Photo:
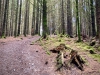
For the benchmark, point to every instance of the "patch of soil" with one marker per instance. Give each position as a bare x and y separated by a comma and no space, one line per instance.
21,58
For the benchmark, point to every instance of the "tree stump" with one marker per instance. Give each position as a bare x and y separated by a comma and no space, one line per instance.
66,60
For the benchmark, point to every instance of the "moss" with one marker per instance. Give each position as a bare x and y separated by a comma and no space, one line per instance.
98,48
48,52
4,37
88,48
85,60
68,46
86,63
84,46
96,56
59,40
21,38
32,43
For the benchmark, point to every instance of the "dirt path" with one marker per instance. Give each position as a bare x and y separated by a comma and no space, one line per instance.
18,57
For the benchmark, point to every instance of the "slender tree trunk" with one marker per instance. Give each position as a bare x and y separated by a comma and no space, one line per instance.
98,18
19,23
41,16
93,18
0,19
16,19
28,9
77,21
25,19
33,19
62,18
5,16
69,19
37,18
44,19
7,19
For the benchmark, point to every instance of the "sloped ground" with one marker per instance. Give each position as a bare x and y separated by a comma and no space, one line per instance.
18,57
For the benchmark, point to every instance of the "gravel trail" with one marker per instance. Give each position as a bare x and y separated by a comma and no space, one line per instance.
18,57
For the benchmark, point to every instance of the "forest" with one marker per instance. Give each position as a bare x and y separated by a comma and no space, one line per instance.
54,33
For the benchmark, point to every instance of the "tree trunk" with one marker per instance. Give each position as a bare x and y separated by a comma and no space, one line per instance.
98,18
77,21
5,17
69,19
62,17
37,18
16,19
26,19
33,19
19,23
93,19
44,19
7,20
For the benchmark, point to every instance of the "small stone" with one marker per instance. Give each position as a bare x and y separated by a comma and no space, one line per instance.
14,70
36,51
46,62
32,64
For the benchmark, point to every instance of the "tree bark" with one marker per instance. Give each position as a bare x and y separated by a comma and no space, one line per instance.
93,19
37,18
16,19
33,19
44,19
69,19
19,23
62,17
77,21
98,18
5,17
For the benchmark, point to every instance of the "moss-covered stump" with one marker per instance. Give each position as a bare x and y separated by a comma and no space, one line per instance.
64,60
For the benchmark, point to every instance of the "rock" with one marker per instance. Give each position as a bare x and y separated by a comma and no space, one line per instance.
14,69
92,43
92,52
46,62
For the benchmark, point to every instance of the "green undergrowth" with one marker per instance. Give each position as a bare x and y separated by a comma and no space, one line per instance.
3,37
51,42
95,56
84,46
98,48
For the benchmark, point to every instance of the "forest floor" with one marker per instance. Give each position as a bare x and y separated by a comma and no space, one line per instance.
31,56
